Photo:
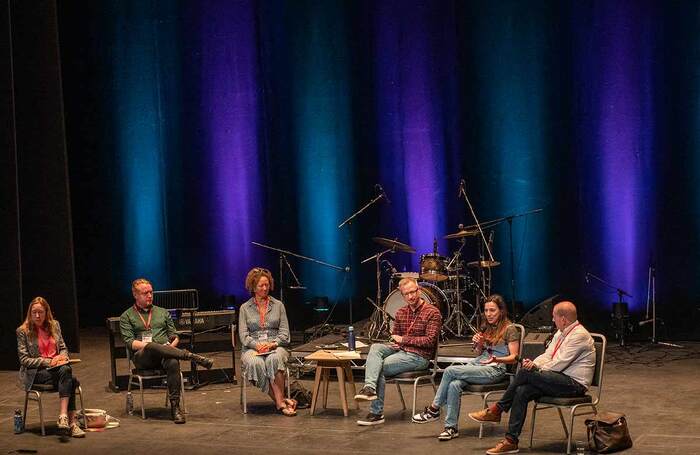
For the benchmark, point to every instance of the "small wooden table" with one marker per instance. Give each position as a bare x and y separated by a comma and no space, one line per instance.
325,362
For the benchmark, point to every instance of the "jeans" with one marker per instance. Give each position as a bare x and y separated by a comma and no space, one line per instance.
454,378
384,361
62,379
161,356
529,385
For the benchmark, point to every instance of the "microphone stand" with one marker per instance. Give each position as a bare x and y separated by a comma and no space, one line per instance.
620,292
463,192
348,222
509,219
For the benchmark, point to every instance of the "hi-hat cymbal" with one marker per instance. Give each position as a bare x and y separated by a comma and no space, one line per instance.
462,233
483,264
394,244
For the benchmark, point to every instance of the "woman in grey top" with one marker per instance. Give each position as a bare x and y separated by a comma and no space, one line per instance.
264,329
43,357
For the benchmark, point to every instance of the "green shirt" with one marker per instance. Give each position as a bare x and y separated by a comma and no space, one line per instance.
132,327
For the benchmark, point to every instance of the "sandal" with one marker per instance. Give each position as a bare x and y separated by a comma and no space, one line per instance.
287,411
291,403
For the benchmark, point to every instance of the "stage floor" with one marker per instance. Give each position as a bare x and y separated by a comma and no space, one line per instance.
654,386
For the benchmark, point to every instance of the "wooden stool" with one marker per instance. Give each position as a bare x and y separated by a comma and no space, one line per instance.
325,362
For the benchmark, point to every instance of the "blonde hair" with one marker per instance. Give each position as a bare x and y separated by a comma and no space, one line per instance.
251,280
137,281
406,280
28,326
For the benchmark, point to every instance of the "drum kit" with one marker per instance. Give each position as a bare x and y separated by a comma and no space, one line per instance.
454,286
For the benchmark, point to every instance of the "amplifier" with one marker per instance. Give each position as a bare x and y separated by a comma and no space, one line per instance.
204,320
533,344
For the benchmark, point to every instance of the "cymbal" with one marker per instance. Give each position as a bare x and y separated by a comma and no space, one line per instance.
483,264
394,244
462,233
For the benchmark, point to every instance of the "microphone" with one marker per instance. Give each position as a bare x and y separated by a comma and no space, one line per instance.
435,246
588,280
490,239
462,184
383,193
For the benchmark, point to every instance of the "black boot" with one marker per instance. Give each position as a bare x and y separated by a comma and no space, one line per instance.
176,412
206,362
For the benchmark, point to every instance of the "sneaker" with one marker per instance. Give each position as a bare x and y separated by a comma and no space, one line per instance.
448,433
504,446
428,415
371,419
75,431
367,393
485,415
62,422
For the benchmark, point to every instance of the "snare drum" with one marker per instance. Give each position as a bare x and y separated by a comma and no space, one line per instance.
433,267
428,292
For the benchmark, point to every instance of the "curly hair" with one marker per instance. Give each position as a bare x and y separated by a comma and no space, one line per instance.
28,326
251,280
494,333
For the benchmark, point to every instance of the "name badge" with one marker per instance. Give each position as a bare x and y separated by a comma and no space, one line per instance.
147,337
262,336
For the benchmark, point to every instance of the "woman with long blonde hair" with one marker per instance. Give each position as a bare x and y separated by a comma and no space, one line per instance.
44,360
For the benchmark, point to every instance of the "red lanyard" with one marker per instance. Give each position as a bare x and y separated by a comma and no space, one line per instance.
147,325
561,339
415,318
263,312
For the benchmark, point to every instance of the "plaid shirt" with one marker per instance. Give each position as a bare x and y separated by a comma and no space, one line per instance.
420,329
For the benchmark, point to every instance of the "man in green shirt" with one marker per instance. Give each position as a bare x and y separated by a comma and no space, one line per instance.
149,332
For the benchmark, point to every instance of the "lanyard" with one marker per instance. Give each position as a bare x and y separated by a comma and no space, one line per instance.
147,325
561,339
263,312
415,318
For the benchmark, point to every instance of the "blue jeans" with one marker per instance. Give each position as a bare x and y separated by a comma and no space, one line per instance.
455,377
529,385
384,361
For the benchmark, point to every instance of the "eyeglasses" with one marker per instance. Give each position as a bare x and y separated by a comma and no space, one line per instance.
406,294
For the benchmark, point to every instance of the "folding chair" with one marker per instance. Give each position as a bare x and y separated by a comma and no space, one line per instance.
34,394
590,400
138,376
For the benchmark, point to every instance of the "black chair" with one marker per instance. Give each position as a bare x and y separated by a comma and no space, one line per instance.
485,391
35,393
139,376
590,400
415,378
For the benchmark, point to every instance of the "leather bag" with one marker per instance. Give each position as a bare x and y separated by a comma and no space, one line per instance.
608,432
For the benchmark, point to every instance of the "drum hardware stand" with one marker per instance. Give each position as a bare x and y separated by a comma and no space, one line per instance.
384,324
348,221
651,301
377,321
622,322
457,316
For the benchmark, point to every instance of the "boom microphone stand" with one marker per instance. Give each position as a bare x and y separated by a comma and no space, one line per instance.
348,222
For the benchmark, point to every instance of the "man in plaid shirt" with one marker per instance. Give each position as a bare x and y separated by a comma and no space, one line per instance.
413,343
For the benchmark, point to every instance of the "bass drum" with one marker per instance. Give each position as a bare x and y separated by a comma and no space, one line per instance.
428,292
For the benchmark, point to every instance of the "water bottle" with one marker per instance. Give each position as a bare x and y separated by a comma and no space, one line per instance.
129,403
19,421
351,338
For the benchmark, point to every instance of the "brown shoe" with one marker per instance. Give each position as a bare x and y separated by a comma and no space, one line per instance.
485,415
504,446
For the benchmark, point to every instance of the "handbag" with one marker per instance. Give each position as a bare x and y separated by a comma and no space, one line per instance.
608,432
98,419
